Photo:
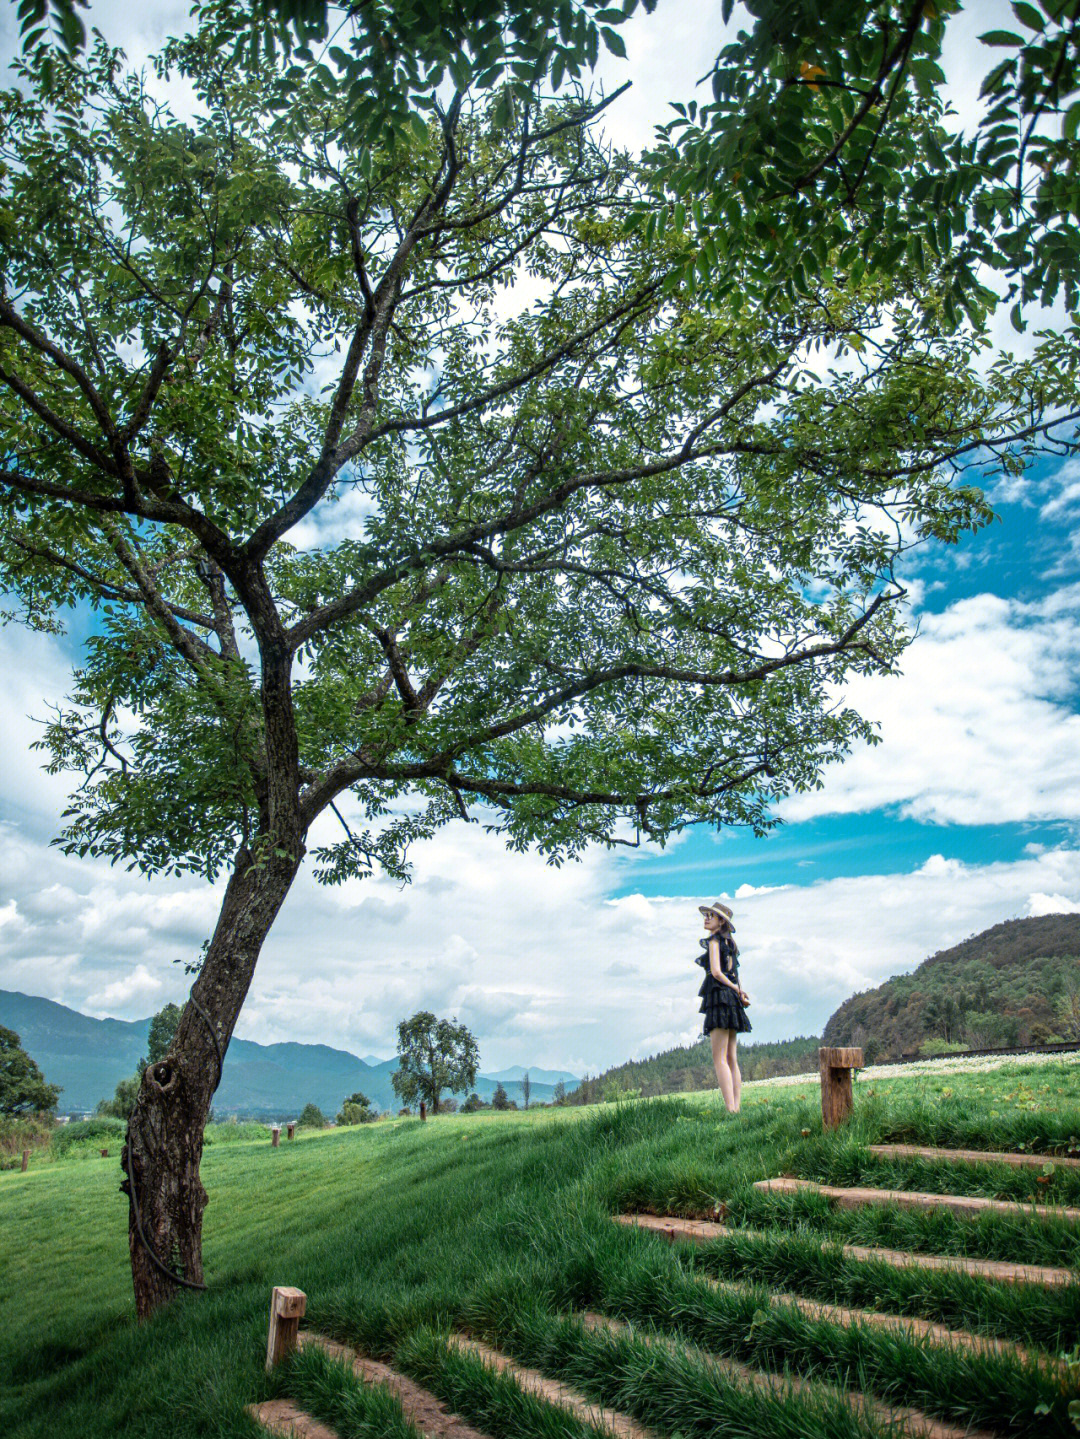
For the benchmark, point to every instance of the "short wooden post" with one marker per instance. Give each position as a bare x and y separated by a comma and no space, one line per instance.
25,1160
290,1130
104,1154
423,1110
836,1097
275,1134
287,1308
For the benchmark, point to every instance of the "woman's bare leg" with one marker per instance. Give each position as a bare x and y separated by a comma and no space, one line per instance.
720,1039
733,1068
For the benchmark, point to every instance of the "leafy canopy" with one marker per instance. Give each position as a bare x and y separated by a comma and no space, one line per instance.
411,477
825,139
824,131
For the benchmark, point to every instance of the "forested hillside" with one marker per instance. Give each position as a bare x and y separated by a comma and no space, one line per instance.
1016,983
690,1067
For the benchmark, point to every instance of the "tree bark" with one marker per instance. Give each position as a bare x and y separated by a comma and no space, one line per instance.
161,1158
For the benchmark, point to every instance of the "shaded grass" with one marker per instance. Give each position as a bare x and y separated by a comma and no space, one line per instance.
399,1232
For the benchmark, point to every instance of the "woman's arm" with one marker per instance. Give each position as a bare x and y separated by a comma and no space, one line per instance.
715,968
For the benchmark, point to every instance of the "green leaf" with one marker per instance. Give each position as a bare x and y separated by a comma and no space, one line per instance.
1017,321
1028,15
614,41
1001,37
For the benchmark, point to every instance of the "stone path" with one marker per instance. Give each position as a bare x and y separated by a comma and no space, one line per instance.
703,1231
972,1156
968,1206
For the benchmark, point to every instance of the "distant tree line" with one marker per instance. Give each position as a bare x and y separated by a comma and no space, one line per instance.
689,1067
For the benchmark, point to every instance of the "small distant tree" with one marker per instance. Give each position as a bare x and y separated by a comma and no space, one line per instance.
163,1028
123,1101
526,1088
23,1089
312,1117
434,1055
1067,1010
473,1103
500,1099
356,1110
558,1094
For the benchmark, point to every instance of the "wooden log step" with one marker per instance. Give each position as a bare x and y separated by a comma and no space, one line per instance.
284,1419
972,1156
907,1421
968,1206
555,1392
902,1324
420,1407
700,1231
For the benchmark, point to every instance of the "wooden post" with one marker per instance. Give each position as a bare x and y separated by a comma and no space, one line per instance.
290,1130
836,1097
287,1308
25,1160
423,1110
104,1154
275,1134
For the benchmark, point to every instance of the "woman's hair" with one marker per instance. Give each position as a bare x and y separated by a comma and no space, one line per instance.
726,930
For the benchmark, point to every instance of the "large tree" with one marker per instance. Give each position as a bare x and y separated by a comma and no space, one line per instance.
23,1089
433,1055
369,534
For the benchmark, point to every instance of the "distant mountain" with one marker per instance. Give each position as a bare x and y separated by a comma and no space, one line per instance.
1005,986
517,1072
88,1057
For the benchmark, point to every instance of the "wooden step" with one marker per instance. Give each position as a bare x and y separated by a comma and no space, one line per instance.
421,1408
902,1324
701,1231
554,1391
283,1418
972,1156
912,1422
968,1206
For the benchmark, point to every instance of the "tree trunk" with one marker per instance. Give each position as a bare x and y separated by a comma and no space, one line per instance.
165,1131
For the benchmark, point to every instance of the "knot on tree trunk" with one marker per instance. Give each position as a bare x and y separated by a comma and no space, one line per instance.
163,1075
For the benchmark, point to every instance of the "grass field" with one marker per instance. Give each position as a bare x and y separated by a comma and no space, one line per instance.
499,1224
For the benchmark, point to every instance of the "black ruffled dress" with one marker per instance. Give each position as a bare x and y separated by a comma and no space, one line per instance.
721,1006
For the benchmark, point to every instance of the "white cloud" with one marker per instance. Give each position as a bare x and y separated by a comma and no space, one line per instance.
1052,904
980,729
139,985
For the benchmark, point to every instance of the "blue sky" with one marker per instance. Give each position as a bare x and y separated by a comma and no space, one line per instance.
966,815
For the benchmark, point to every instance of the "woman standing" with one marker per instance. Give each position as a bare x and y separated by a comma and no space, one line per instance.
723,1001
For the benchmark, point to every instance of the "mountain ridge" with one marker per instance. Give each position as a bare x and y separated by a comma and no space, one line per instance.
1000,987
89,1056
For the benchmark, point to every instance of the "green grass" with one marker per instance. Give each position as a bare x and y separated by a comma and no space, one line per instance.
400,1232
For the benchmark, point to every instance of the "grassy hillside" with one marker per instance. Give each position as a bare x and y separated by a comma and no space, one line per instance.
1017,983
500,1223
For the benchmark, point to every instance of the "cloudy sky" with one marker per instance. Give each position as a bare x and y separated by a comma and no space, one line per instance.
966,815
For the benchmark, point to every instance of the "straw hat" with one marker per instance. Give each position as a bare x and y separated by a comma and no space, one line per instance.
718,908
